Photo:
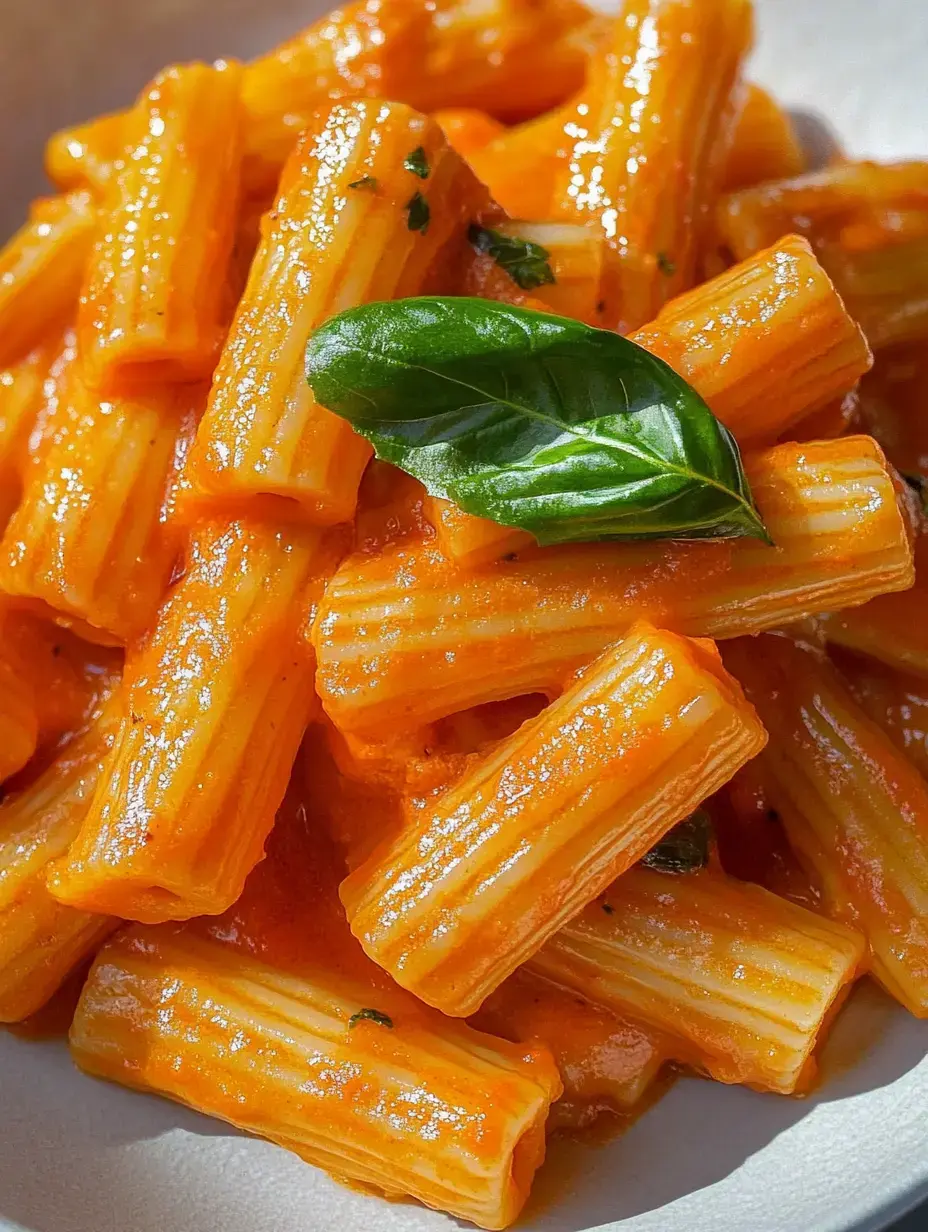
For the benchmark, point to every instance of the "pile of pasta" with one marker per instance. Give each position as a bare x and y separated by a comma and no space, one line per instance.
345,792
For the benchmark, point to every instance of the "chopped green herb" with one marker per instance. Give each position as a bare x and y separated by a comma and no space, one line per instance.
382,1020
417,162
367,183
525,262
609,910
418,214
665,265
685,848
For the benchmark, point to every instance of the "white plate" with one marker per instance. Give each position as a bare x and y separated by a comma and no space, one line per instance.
79,1156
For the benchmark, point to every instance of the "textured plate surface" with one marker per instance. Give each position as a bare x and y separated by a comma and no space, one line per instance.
79,1156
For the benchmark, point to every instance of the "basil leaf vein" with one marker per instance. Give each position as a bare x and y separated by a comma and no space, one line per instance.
536,421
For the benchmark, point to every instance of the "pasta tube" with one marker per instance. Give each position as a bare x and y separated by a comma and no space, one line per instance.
352,223
520,166
41,941
467,130
21,396
739,980
896,701
405,638
855,810
153,302
776,312
606,1061
890,627
547,819
217,698
892,401
41,270
884,283
90,538
819,203
514,58
653,128
578,257
765,145
399,1100
19,726
48,686
83,157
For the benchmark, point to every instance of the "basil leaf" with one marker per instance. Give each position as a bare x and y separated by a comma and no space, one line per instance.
684,849
524,261
366,1015
417,162
533,420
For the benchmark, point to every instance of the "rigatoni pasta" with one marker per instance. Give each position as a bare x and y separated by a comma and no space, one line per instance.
41,941
390,427
473,888
741,981
765,145
437,1110
91,539
215,704
153,302
855,810
263,432
41,270
652,129
403,638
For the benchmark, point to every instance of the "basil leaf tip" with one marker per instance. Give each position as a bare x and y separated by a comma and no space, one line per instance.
535,421
685,848
368,1015
524,261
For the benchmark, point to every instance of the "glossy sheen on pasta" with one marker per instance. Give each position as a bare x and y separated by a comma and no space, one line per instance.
263,432
535,830
403,638
739,979
651,130
41,941
41,269
216,701
855,810
421,1106
91,538
386,786
154,297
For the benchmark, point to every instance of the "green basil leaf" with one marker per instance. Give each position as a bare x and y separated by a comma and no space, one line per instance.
533,420
685,848
524,261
